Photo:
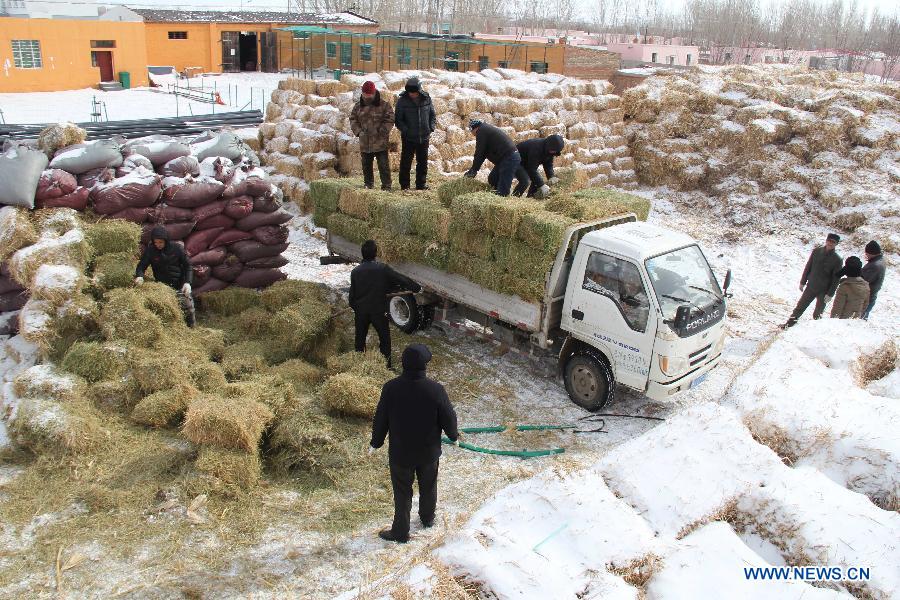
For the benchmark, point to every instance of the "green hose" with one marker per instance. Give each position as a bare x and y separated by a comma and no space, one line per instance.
501,429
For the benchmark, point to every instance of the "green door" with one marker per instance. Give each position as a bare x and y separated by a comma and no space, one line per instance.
451,63
346,55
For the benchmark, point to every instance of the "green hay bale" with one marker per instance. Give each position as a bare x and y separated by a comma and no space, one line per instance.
631,203
325,195
230,301
207,376
268,389
528,289
351,395
114,394
114,236
69,249
302,375
44,425
334,342
95,361
141,316
157,371
450,190
243,359
482,272
368,364
211,342
350,228
397,216
77,319
16,231
430,220
114,270
254,321
570,180
46,381
395,248
56,221
437,256
164,408
361,202
230,469
471,242
298,327
290,292
472,211
544,229
306,441
227,423
505,214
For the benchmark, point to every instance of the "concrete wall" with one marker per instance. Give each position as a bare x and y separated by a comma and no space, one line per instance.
657,53
66,53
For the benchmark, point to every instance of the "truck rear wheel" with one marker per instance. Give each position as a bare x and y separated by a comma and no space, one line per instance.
405,313
589,381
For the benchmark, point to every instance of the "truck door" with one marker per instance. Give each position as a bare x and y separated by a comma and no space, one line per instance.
608,305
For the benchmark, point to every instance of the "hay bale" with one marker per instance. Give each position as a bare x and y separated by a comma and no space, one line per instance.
473,243
471,211
357,202
231,469
243,359
450,190
155,372
631,202
230,301
306,441
70,248
95,361
207,376
268,389
349,228
115,270
16,231
166,407
254,321
483,272
114,394
365,364
211,341
302,375
436,256
505,214
544,229
141,316
299,327
36,324
60,135
430,220
77,319
56,283
351,395
570,180
44,425
290,292
325,195
227,423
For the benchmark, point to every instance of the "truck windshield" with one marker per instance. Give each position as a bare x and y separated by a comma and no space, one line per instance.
683,277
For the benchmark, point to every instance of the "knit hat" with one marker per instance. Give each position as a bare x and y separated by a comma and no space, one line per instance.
873,248
413,85
554,144
852,267
415,357
368,88
833,237
475,123
159,233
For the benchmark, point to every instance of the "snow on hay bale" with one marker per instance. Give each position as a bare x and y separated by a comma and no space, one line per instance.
16,230
60,135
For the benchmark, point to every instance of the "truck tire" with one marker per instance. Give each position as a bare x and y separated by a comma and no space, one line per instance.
405,313
589,381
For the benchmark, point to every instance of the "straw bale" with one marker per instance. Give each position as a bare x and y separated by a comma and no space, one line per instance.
438,139
465,105
290,292
16,230
95,361
226,422
267,130
299,327
307,441
70,248
325,195
349,228
278,144
767,131
528,134
285,129
330,87
304,86
244,359
599,196
351,395
164,408
207,376
273,112
45,425
455,135
430,220
230,469
548,130
543,229
141,316
303,376
110,236
287,165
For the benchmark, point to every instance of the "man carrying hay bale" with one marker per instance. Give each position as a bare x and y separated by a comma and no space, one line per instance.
535,153
415,118
370,283
170,266
371,120
820,278
493,144
413,410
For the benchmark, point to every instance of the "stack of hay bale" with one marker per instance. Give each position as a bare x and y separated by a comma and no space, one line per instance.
307,133
503,244
761,139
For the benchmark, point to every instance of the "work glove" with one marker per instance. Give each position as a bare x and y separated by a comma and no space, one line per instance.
186,289
543,192
553,180
139,280
470,174
801,287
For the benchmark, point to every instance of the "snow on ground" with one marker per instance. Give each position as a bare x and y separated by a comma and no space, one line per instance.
16,355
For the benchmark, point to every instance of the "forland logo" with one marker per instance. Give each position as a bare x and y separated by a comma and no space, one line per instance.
704,320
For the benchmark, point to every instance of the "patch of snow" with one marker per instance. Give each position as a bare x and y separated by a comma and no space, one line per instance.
888,387
51,278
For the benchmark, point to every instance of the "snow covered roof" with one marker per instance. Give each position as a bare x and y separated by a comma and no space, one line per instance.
638,240
152,15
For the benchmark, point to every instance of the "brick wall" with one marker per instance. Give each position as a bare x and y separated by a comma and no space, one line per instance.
590,63
623,81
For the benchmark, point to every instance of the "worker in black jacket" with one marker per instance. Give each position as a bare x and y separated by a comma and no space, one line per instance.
370,283
415,118
536,153
413,410
493,144
170,266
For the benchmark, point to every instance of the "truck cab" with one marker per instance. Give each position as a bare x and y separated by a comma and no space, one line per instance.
643,309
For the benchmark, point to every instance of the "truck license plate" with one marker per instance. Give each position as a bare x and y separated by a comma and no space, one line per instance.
698,381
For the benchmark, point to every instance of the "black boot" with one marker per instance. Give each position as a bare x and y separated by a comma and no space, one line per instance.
388,535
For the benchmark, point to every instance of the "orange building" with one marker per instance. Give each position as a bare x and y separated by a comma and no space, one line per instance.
45,55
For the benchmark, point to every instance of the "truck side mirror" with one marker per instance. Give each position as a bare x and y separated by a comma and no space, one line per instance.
727,284
682,315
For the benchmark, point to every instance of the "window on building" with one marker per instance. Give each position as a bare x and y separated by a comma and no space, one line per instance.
671,60
301,35
538,67
365,52
346,54
688,60
503,64
747,59
653,57
620,281
451,61
178,35
27,54
483,63
103,43
331,50
404,55
728,57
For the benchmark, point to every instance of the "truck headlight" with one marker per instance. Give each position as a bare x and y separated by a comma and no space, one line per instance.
672,365
719,345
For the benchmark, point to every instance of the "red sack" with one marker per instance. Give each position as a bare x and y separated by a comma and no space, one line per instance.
257,186
139,188
12,301
135,215
265,205
209,257
229,270
9,324
213,285
270,235
55,183
77,200
252,250
177,230
239,208
209,210
199,241
257,278
190,192
164,213
229,237
267,262
256,219
181,167
202,274
216,221
8,284
95,176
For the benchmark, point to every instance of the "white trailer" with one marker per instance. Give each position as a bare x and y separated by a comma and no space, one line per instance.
625,302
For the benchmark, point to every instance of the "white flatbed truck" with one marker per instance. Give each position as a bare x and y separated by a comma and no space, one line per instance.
625,302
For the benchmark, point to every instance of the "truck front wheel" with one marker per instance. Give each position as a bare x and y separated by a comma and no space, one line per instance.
589,381
405,313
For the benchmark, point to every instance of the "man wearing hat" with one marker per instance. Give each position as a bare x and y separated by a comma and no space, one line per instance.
413,411
371,120
493,144
852,295
170,265
873,273
819,281
414,117
535,153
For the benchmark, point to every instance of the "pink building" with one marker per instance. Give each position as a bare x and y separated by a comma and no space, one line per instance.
662,54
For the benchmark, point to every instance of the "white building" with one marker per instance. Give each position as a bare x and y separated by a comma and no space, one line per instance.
50,9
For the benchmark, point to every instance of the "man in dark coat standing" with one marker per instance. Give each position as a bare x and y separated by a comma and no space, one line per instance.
414,117
371,120
536,153
170,266
370,283
873,273
413,410
819,280
493,144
